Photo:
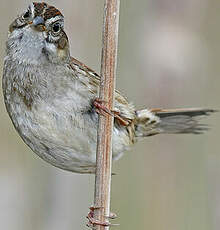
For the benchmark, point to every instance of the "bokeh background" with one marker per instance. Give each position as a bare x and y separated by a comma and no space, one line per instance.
169,56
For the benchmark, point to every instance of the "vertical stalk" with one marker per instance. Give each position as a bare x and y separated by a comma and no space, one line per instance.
107,88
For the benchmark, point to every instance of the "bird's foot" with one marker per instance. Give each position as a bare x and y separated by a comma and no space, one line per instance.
93,222
100,108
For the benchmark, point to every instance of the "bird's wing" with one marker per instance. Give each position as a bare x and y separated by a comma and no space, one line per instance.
125,109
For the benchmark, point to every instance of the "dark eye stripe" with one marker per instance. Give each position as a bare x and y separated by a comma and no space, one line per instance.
27,14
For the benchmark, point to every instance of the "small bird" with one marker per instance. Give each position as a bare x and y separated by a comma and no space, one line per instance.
51,97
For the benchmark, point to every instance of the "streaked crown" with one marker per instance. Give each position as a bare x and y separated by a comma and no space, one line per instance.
46,11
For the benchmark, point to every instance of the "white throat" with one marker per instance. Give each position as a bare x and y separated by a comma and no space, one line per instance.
26,45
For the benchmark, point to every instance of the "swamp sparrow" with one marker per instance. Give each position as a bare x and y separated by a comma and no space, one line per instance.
50,97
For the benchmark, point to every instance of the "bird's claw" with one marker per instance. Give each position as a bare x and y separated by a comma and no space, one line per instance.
93,222
101,109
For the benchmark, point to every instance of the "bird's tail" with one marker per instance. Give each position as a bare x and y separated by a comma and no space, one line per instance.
155,121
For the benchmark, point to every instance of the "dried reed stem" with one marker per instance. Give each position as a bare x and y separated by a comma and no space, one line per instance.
107,88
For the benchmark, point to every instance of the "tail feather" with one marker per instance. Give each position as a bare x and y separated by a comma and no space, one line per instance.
185,112
171,121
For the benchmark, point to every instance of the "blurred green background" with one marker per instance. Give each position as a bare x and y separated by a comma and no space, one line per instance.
169,54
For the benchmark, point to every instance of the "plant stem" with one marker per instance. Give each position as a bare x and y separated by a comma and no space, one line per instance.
107,89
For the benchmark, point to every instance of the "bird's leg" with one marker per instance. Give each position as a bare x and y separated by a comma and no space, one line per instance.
93,221
102,109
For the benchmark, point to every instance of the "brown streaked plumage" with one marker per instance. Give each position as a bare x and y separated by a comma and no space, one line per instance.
50,97
39,8
43,9
51,12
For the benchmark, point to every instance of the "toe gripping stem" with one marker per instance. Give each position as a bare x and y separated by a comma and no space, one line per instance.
100,108
93,222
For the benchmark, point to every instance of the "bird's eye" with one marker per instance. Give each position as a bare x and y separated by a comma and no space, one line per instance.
56,27
27,14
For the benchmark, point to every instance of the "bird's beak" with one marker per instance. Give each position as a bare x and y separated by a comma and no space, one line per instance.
38,23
